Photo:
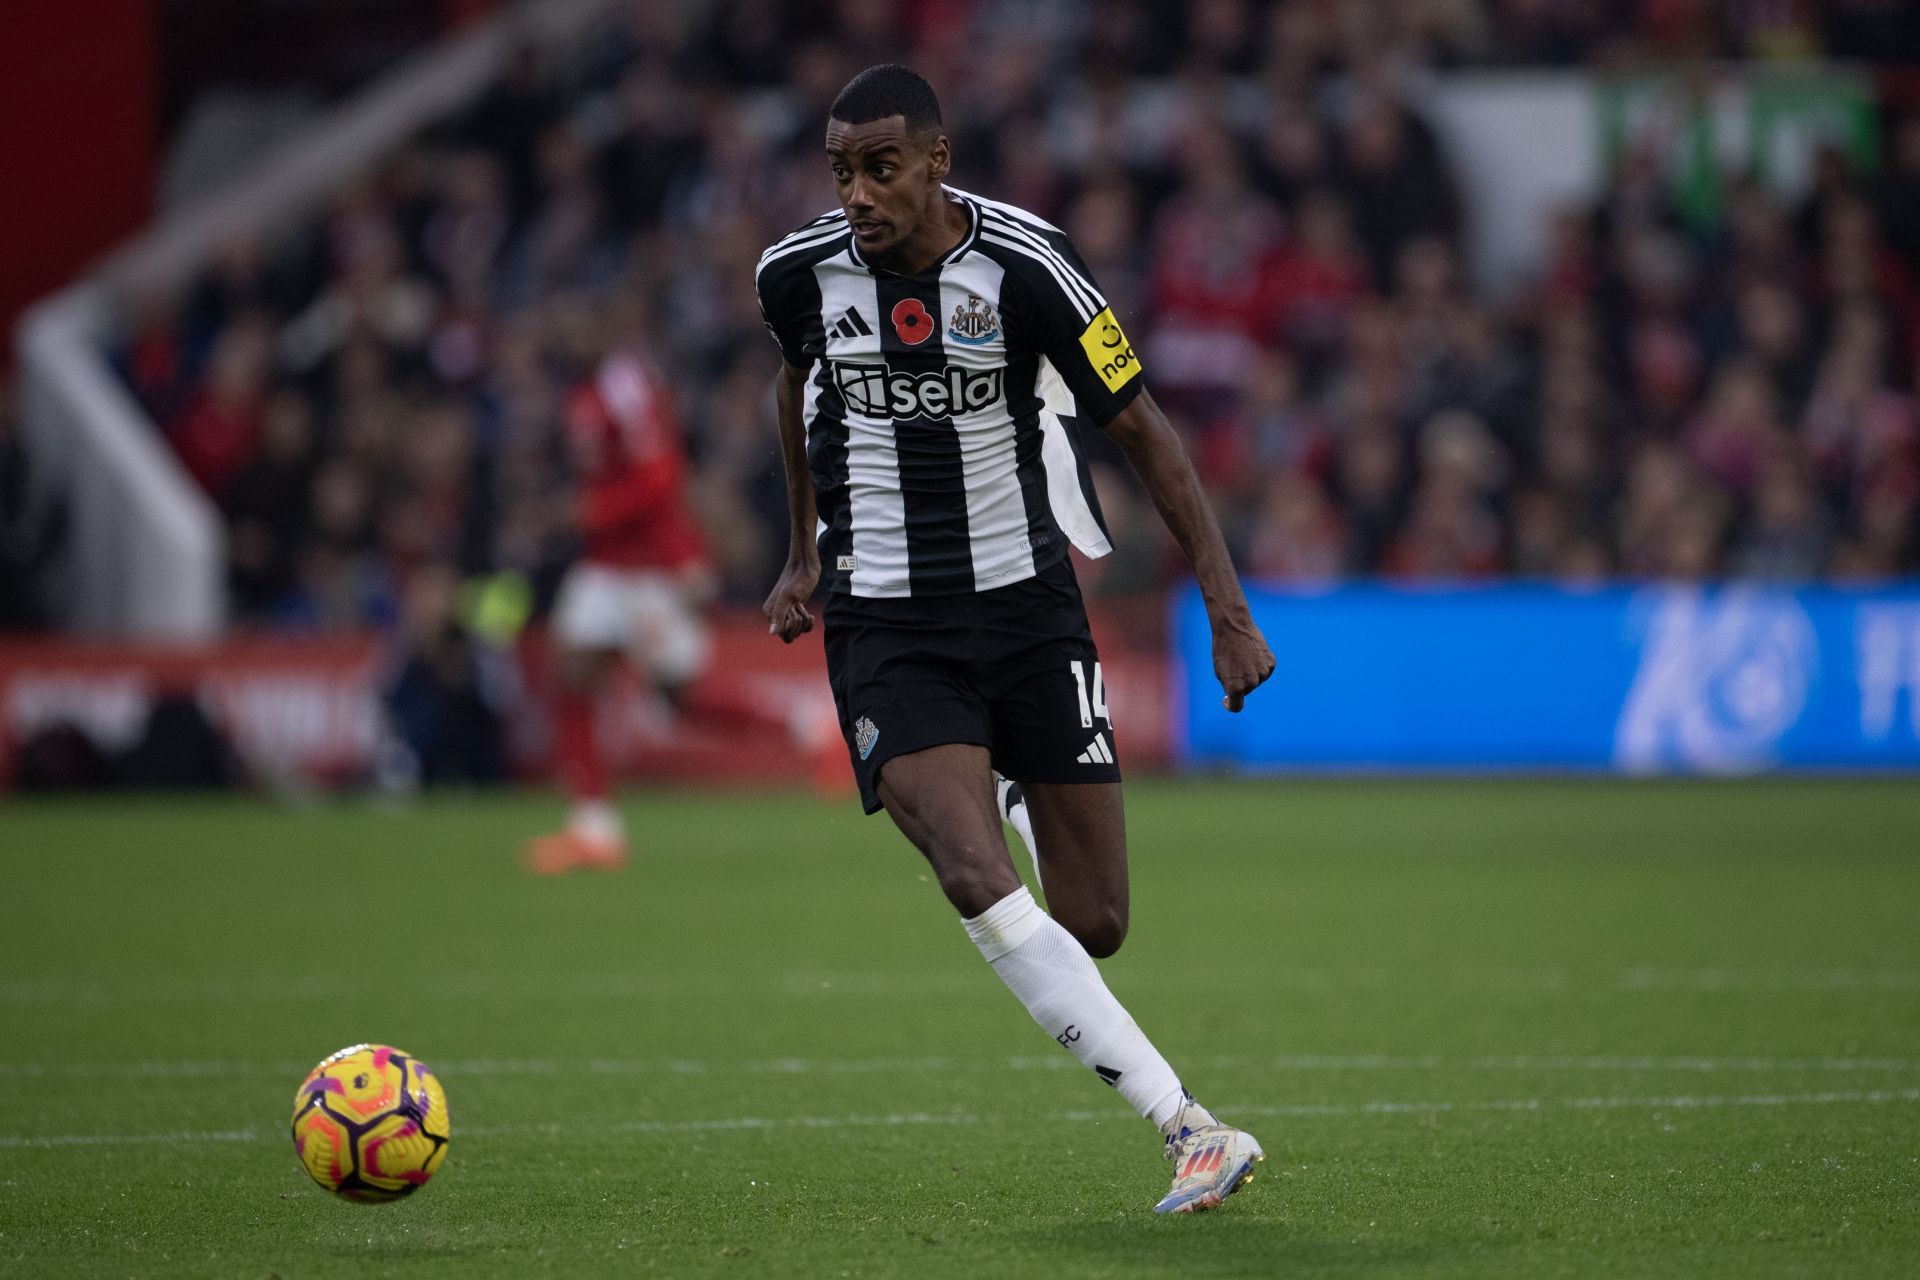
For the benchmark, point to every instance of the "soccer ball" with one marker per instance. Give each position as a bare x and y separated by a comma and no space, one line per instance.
370,1123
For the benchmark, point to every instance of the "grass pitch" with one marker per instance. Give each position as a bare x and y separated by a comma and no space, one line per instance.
1483,1029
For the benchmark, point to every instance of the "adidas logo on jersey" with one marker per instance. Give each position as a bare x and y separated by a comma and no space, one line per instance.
1098,752
852,326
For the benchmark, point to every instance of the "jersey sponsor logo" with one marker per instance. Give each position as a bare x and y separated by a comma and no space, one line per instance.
877,391
973,323
864,736
911,321
1109,351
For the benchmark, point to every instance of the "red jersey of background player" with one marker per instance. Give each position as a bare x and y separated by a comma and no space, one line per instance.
631,467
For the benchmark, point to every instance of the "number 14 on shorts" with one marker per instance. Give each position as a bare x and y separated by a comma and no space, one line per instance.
1096,705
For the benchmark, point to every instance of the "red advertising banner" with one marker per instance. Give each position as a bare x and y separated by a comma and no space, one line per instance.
306,708
310,712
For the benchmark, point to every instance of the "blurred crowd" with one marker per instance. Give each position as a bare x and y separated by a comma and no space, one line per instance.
377,395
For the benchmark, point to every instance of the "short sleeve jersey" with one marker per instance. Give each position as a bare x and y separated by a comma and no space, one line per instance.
943,409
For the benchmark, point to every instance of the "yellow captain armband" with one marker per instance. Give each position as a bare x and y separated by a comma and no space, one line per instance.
1109,351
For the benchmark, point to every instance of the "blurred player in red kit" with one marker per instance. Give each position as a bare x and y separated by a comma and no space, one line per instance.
635,593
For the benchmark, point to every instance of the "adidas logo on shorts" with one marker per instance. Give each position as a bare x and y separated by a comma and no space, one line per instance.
1098,752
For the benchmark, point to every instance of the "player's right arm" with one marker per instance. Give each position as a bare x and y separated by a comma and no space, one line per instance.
787,614
788,313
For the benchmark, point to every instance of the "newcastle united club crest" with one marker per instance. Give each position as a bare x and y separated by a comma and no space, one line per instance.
973,324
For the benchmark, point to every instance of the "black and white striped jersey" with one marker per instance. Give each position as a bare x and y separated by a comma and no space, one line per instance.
943,408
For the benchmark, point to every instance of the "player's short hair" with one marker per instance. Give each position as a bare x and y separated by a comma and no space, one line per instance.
889,90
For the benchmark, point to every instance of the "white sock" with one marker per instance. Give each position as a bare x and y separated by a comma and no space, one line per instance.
1056,979
1022,821
596,820
1187,1115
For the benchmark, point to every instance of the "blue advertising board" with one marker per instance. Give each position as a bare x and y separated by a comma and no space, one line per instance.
1653,679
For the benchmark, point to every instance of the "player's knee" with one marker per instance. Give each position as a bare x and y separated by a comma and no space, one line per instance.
1100,931
960,844
970,886
972,874
971,880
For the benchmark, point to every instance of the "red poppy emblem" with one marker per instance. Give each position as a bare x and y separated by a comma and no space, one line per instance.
911,321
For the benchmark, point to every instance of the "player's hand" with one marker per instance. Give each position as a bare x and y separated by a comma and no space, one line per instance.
1241,660
787,614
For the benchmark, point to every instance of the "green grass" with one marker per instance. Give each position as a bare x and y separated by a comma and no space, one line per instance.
1484,1029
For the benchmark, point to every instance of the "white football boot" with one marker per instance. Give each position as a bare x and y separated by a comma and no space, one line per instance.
1210,1163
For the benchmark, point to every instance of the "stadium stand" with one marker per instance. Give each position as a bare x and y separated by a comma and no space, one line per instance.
1676,394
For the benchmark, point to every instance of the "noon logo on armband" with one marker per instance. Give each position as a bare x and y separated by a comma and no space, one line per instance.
1109,351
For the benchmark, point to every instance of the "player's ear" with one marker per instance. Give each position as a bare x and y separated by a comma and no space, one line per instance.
939,158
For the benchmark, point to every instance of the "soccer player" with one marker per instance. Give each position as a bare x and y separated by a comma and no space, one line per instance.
941,350
634,594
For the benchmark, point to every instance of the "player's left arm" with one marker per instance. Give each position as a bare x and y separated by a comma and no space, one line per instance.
1064,314
1241,658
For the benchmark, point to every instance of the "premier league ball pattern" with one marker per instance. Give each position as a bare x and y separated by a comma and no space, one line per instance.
370,1123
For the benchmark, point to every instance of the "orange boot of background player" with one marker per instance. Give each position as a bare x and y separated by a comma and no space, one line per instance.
594,836
569,848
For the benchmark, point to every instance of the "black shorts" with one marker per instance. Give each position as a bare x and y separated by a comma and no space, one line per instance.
1012,669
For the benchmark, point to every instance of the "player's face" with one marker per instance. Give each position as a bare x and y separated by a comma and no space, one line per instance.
886,178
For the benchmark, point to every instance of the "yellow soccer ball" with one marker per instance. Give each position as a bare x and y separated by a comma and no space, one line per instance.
370,1123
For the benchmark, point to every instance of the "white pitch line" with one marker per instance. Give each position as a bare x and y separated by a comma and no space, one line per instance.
184,1137
1683,1102
1685,1063
98,993
1366,1062
1650,978
915,1119
734,1124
